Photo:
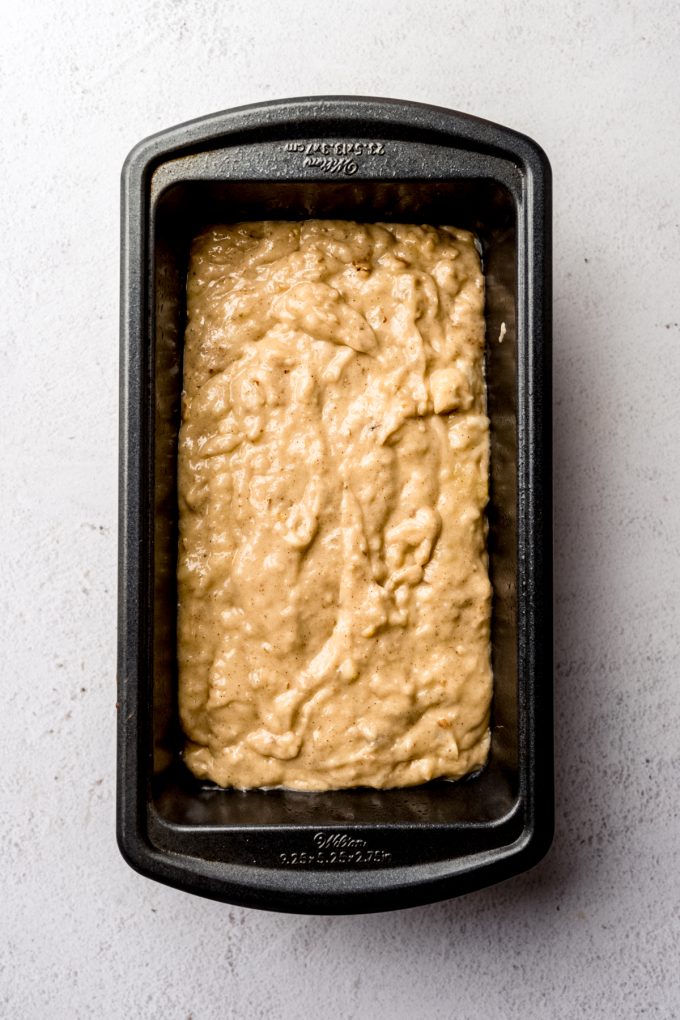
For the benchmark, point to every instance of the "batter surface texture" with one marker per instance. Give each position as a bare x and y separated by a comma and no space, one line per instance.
334,599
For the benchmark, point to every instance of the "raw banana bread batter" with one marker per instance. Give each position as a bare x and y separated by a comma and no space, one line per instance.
334,599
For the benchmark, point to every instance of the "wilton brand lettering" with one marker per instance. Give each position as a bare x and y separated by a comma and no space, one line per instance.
336,841
331,157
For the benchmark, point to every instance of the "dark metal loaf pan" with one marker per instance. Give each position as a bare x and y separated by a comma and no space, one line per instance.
358,850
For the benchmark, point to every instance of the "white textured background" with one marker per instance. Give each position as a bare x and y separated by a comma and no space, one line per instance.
594,931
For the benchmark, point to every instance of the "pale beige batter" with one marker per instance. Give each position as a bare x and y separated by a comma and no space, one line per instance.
334,599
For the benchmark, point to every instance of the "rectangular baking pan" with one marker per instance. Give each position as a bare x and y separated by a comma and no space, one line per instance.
357,850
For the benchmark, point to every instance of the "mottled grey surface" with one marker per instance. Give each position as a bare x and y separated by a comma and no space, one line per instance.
594,930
